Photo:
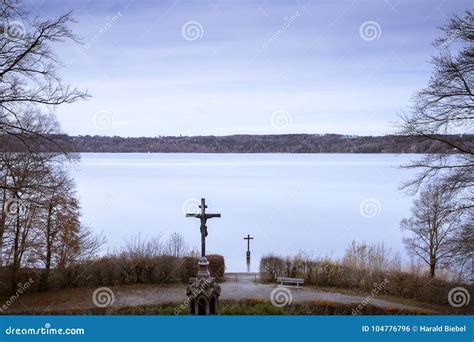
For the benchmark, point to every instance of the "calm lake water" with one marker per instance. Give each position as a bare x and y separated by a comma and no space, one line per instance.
314,203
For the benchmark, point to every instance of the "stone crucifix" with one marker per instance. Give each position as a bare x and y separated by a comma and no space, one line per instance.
203,216
203,292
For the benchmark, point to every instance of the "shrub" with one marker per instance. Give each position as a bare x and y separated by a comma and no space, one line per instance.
188,268
216,265
124,270
139,261
359,271
271,267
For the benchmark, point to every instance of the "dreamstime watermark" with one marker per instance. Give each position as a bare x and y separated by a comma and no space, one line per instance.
281,119
280,297
21,288
14,30
102,119
459,296
370,208
109,22
191,206
46,330
445,42
200,109
202,285
14,207
457,121
287,22
393,6
370,30
369,298
102,297
192,30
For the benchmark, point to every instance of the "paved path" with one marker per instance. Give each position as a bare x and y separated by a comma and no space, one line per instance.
243,286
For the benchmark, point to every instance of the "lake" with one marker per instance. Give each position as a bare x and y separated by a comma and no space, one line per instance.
290,203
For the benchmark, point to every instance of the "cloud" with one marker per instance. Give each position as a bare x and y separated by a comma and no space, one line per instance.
250,60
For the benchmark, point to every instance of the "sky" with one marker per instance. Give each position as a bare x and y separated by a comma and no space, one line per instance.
220,67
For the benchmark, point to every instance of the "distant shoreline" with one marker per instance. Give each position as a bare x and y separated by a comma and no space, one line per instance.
287,143
284,143
250,153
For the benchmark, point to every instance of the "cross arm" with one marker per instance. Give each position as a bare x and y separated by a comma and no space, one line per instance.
193,215
212,215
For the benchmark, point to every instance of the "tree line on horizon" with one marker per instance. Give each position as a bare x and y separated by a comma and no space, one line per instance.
285,143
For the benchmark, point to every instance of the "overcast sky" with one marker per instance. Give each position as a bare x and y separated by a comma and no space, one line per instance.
228,67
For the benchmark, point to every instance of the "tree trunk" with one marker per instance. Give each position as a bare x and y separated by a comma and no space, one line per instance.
432,270
16,254
44,284
3,218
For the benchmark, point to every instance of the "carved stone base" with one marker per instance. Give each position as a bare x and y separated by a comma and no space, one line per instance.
203,292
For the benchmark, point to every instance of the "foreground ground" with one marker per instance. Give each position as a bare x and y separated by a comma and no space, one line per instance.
239,292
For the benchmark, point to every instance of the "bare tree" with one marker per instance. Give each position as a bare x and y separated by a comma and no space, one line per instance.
60,213
22,174
28,68
138,247
41,226
444,110
433,226
44,225
35,190
176,245
463,249
24,178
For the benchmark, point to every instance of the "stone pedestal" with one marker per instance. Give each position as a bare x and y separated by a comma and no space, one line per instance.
203,268
203,292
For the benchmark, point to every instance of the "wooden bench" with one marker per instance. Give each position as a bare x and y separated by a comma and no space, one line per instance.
294,281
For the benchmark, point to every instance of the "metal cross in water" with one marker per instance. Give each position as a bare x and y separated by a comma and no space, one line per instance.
248,238
203,217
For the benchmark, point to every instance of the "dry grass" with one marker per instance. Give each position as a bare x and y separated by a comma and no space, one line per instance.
249,307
